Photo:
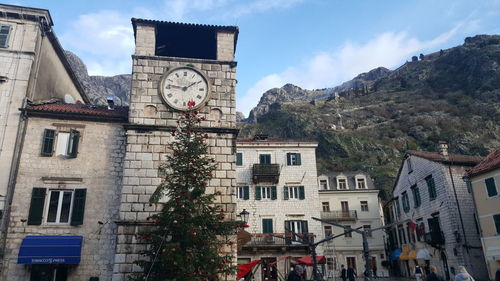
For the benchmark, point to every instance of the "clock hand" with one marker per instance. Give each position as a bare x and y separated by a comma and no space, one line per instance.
192,84
174,86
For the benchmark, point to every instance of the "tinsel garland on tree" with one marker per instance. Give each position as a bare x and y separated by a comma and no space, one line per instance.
187,238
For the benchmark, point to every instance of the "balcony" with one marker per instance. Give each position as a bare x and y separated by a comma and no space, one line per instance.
434,238
268,173
278,241
339,216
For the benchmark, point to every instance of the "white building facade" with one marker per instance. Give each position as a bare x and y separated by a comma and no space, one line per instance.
350,199
277,185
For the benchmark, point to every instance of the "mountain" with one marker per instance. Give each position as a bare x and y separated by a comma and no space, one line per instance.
451,95
97,87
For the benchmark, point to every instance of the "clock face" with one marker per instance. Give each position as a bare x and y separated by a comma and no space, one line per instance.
182,85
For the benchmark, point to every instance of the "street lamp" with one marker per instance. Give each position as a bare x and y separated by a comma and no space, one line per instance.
244,215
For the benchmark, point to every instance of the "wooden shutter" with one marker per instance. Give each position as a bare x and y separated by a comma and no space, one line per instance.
302,193
36,207
289,159
288,233
303,225
78,206
285,193
48,142
274,194
267,225
257,193
496,219
297,159
74,138
4,36
246,193
491,187
239,159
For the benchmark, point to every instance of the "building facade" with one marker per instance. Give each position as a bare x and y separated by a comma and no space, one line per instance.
435,215
277,186
484,180
173,64
350,199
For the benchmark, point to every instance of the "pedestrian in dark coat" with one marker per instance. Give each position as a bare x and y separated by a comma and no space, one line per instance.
343,273
351,274
296,274
433,274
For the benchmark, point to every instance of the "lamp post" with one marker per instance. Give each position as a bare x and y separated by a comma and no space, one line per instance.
244,215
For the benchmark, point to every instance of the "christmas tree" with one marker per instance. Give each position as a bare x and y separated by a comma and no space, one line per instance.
187,238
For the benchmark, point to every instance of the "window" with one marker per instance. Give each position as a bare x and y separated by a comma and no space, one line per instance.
265,159
402,236
408,163
328,231
406,202
4,36
364,206
267,225
496,219
345,206
431,187
242,192
491,187
62,206
367,228
293,192
330,265
323,185
416,196
298,227
326,206
293,159
265,192
360,183
239,159
398,207
342,183
66,143
346,231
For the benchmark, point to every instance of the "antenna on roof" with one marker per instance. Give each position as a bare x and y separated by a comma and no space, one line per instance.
111,101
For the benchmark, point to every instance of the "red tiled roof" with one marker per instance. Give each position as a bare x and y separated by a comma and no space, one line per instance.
449,159
491,162
79,110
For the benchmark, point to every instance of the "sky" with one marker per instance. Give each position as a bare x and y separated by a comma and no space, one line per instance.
313,44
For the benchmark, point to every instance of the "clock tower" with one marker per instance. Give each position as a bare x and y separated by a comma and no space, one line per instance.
175,63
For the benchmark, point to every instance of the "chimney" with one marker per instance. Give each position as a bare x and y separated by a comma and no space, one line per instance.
443,148
110,98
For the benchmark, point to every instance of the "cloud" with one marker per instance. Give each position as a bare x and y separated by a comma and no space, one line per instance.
328,69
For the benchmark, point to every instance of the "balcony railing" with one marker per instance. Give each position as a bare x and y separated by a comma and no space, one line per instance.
279,239
268,173
434,238
339,215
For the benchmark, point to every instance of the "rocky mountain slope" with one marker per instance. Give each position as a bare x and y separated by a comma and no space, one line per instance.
451,95
97,87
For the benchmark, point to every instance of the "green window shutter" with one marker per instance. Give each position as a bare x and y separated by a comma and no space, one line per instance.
74,138
78,206
239,159
491,187
267,225
257,193
496,218
288,159
297,157
302,193
431,186
304,227
36,207
48,142
4,36
285,192
288,232
274,194
246,193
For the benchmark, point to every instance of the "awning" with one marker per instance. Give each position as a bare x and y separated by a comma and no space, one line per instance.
307,260
423,254
50,250
395,254
243,269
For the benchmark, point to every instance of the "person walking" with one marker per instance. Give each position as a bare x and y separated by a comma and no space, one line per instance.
296,274
432,276
374,270
351,274
418,273
463,275
343,273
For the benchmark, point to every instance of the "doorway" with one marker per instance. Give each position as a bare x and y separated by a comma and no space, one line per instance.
269,272
351,262
444,260
49,272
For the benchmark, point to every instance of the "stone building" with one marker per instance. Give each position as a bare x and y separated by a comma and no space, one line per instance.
350,199
437,215
173,64
66,195
484,180
32,66
277,185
